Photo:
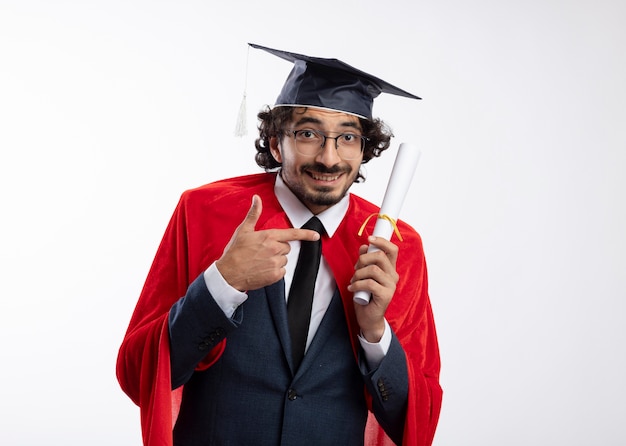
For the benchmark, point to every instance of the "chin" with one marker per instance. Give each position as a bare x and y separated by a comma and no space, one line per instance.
325,198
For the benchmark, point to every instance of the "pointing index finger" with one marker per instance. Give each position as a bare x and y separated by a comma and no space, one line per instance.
292,234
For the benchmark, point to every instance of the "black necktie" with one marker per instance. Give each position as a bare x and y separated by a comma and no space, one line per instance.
301,291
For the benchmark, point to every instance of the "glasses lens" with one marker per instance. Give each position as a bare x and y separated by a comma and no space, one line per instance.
349,145
308,142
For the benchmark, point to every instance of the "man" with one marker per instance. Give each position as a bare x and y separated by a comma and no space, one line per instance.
230,345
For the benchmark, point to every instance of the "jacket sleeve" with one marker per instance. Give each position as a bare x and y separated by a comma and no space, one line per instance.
196,326
388,386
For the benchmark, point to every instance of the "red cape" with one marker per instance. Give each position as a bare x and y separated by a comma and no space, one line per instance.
201,226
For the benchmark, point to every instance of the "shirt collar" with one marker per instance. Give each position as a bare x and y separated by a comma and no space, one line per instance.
299,214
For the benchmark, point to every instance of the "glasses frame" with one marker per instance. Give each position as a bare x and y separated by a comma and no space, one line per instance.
325,137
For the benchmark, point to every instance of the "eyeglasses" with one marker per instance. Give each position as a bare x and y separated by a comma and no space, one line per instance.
311,142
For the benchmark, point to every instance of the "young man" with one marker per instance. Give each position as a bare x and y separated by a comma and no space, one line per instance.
230,345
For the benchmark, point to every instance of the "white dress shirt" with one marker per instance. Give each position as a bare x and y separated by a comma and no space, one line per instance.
228,298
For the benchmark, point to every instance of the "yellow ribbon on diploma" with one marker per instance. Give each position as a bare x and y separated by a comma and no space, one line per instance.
384,217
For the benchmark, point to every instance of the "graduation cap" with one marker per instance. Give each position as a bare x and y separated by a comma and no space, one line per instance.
330,84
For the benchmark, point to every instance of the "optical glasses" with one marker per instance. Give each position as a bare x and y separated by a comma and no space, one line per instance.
311,142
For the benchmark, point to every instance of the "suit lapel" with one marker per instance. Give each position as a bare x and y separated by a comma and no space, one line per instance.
278,308
333,316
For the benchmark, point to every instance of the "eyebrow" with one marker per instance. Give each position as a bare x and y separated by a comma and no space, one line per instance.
311,120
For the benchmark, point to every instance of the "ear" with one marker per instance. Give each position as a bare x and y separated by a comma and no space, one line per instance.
275,149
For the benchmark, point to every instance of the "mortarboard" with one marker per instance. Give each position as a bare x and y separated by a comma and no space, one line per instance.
330,84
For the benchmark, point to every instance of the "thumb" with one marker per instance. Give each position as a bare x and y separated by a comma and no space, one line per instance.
253,214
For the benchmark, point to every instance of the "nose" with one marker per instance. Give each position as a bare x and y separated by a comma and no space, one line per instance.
328,154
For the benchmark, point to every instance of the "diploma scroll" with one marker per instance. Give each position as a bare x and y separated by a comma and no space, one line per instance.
399,182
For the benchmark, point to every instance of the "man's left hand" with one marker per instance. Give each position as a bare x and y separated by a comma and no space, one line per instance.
375,273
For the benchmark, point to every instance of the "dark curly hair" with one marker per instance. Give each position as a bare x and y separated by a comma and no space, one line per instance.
273,120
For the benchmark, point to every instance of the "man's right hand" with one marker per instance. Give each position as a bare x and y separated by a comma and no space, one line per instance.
254,259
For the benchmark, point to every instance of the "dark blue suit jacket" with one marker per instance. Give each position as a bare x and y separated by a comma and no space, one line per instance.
253,396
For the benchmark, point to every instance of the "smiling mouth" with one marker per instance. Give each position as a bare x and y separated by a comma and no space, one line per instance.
324,177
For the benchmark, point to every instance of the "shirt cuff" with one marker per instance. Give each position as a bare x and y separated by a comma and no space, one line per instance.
375,351
227,297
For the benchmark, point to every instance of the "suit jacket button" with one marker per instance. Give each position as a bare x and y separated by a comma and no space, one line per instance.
292,395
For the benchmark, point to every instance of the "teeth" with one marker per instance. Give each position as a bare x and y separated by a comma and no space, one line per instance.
324,178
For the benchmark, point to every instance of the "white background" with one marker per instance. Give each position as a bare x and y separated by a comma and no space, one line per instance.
110,109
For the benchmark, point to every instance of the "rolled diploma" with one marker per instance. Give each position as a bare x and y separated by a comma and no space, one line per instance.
399,182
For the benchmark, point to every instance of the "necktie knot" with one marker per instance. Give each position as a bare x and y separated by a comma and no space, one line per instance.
314,224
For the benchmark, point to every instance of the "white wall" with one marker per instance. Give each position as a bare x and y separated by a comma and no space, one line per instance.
110,109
